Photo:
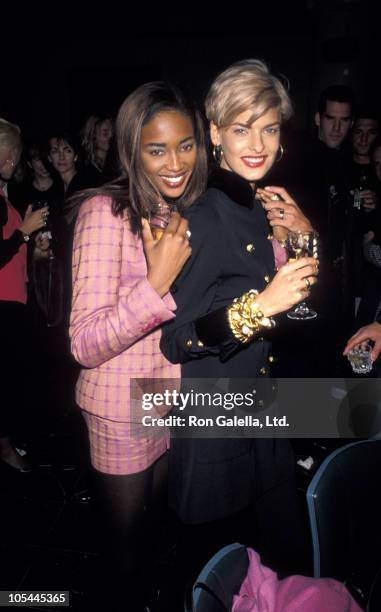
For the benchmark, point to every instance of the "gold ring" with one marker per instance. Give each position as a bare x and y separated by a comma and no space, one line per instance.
308,284
275,197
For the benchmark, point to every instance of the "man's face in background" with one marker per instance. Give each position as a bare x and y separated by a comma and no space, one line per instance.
334,123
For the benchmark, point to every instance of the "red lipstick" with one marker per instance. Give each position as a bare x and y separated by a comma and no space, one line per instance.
254,161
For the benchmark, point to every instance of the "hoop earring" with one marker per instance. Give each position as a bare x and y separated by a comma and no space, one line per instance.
217,153
281,149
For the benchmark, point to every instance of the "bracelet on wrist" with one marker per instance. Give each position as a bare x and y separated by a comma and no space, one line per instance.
245,318
23,236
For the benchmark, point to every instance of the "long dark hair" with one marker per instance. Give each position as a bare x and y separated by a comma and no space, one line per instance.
61,136
132,189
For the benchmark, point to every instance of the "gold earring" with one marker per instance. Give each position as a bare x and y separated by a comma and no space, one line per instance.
217,153
281,149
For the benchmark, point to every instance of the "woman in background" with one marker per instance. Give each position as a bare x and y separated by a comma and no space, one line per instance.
63,157
15,234
96,139
37,186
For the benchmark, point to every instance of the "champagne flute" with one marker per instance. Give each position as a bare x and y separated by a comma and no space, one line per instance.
160,219
298,245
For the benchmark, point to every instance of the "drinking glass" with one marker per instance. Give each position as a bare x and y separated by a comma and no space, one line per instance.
360,359
160,219
298,245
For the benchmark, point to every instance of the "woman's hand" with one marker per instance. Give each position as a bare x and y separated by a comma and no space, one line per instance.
365,334
283,212
34,219
166,257
289,286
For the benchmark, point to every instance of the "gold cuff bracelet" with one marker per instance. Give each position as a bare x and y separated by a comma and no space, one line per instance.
245,318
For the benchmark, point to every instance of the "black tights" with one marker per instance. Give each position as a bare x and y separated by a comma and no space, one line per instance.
131,509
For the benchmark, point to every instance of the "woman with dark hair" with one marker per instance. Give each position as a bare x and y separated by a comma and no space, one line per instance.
121,281
63,152
39,190
63,159
38,185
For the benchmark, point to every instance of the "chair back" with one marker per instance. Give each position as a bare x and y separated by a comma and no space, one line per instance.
344,506
220,580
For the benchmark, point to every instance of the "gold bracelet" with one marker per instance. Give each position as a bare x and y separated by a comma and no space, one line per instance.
245,318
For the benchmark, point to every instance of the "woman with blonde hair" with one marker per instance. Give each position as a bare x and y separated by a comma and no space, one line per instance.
15,234
228,298
96,139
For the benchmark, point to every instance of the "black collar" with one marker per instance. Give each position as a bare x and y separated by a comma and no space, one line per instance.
236,188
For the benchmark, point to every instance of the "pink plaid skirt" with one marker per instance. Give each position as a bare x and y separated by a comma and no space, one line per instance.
122,448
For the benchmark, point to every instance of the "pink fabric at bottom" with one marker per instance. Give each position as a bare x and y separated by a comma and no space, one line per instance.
261,591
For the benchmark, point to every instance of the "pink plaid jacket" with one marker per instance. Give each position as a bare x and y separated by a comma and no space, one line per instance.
116,314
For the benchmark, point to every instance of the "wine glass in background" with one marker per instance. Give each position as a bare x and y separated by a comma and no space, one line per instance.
298,245
160,219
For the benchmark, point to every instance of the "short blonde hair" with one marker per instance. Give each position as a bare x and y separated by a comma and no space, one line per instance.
10,135
246,85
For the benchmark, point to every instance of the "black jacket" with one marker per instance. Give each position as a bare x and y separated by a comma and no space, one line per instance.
231,254
213,478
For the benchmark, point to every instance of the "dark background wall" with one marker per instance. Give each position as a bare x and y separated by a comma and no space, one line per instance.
60,79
